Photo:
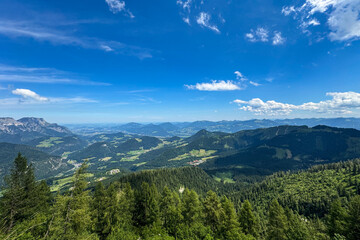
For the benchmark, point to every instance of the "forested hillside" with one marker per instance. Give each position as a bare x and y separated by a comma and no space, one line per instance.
322,202
45,165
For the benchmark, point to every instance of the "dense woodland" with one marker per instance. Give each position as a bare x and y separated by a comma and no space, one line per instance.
320,203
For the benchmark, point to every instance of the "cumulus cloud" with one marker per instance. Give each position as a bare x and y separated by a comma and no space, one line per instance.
117,6
278,39
342,16
215,85
259,107
204,20
240,83
340,103
28,94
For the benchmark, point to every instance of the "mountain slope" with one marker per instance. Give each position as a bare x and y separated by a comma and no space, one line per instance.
296,149
58,145
45,164
309,192
26,129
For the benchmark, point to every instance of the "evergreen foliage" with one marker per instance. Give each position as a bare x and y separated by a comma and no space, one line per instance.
125,210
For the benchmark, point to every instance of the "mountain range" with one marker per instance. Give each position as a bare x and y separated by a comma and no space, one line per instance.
257,151
186,129
29,128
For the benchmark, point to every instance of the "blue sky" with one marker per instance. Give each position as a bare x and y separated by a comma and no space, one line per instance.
179,60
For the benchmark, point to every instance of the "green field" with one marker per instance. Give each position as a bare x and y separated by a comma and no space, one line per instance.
201,153
50,142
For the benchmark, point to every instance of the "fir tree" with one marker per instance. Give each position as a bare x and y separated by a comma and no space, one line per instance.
277,222
247,220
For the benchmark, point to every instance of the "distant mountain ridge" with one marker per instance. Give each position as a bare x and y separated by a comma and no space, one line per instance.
187,129
29,128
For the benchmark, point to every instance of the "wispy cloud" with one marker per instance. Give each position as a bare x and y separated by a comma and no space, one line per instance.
41,33
204,20
117,6
340,103
255,83
13,74
342,17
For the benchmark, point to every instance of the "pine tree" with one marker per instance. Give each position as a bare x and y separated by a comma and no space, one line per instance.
353,221
170,206
248,222
191,207
277,222
147,205
213,211
23,198
297,228
230,228
72,218
336,219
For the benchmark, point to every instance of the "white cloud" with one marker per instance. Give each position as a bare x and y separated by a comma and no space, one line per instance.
250,37
340,103
215,85
255,83
186,20
185,4
204,20
287,10
107,48
314,22
343,17
29,97
28,94
259,107
278,39
240,76
259,35
117,6
221,85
